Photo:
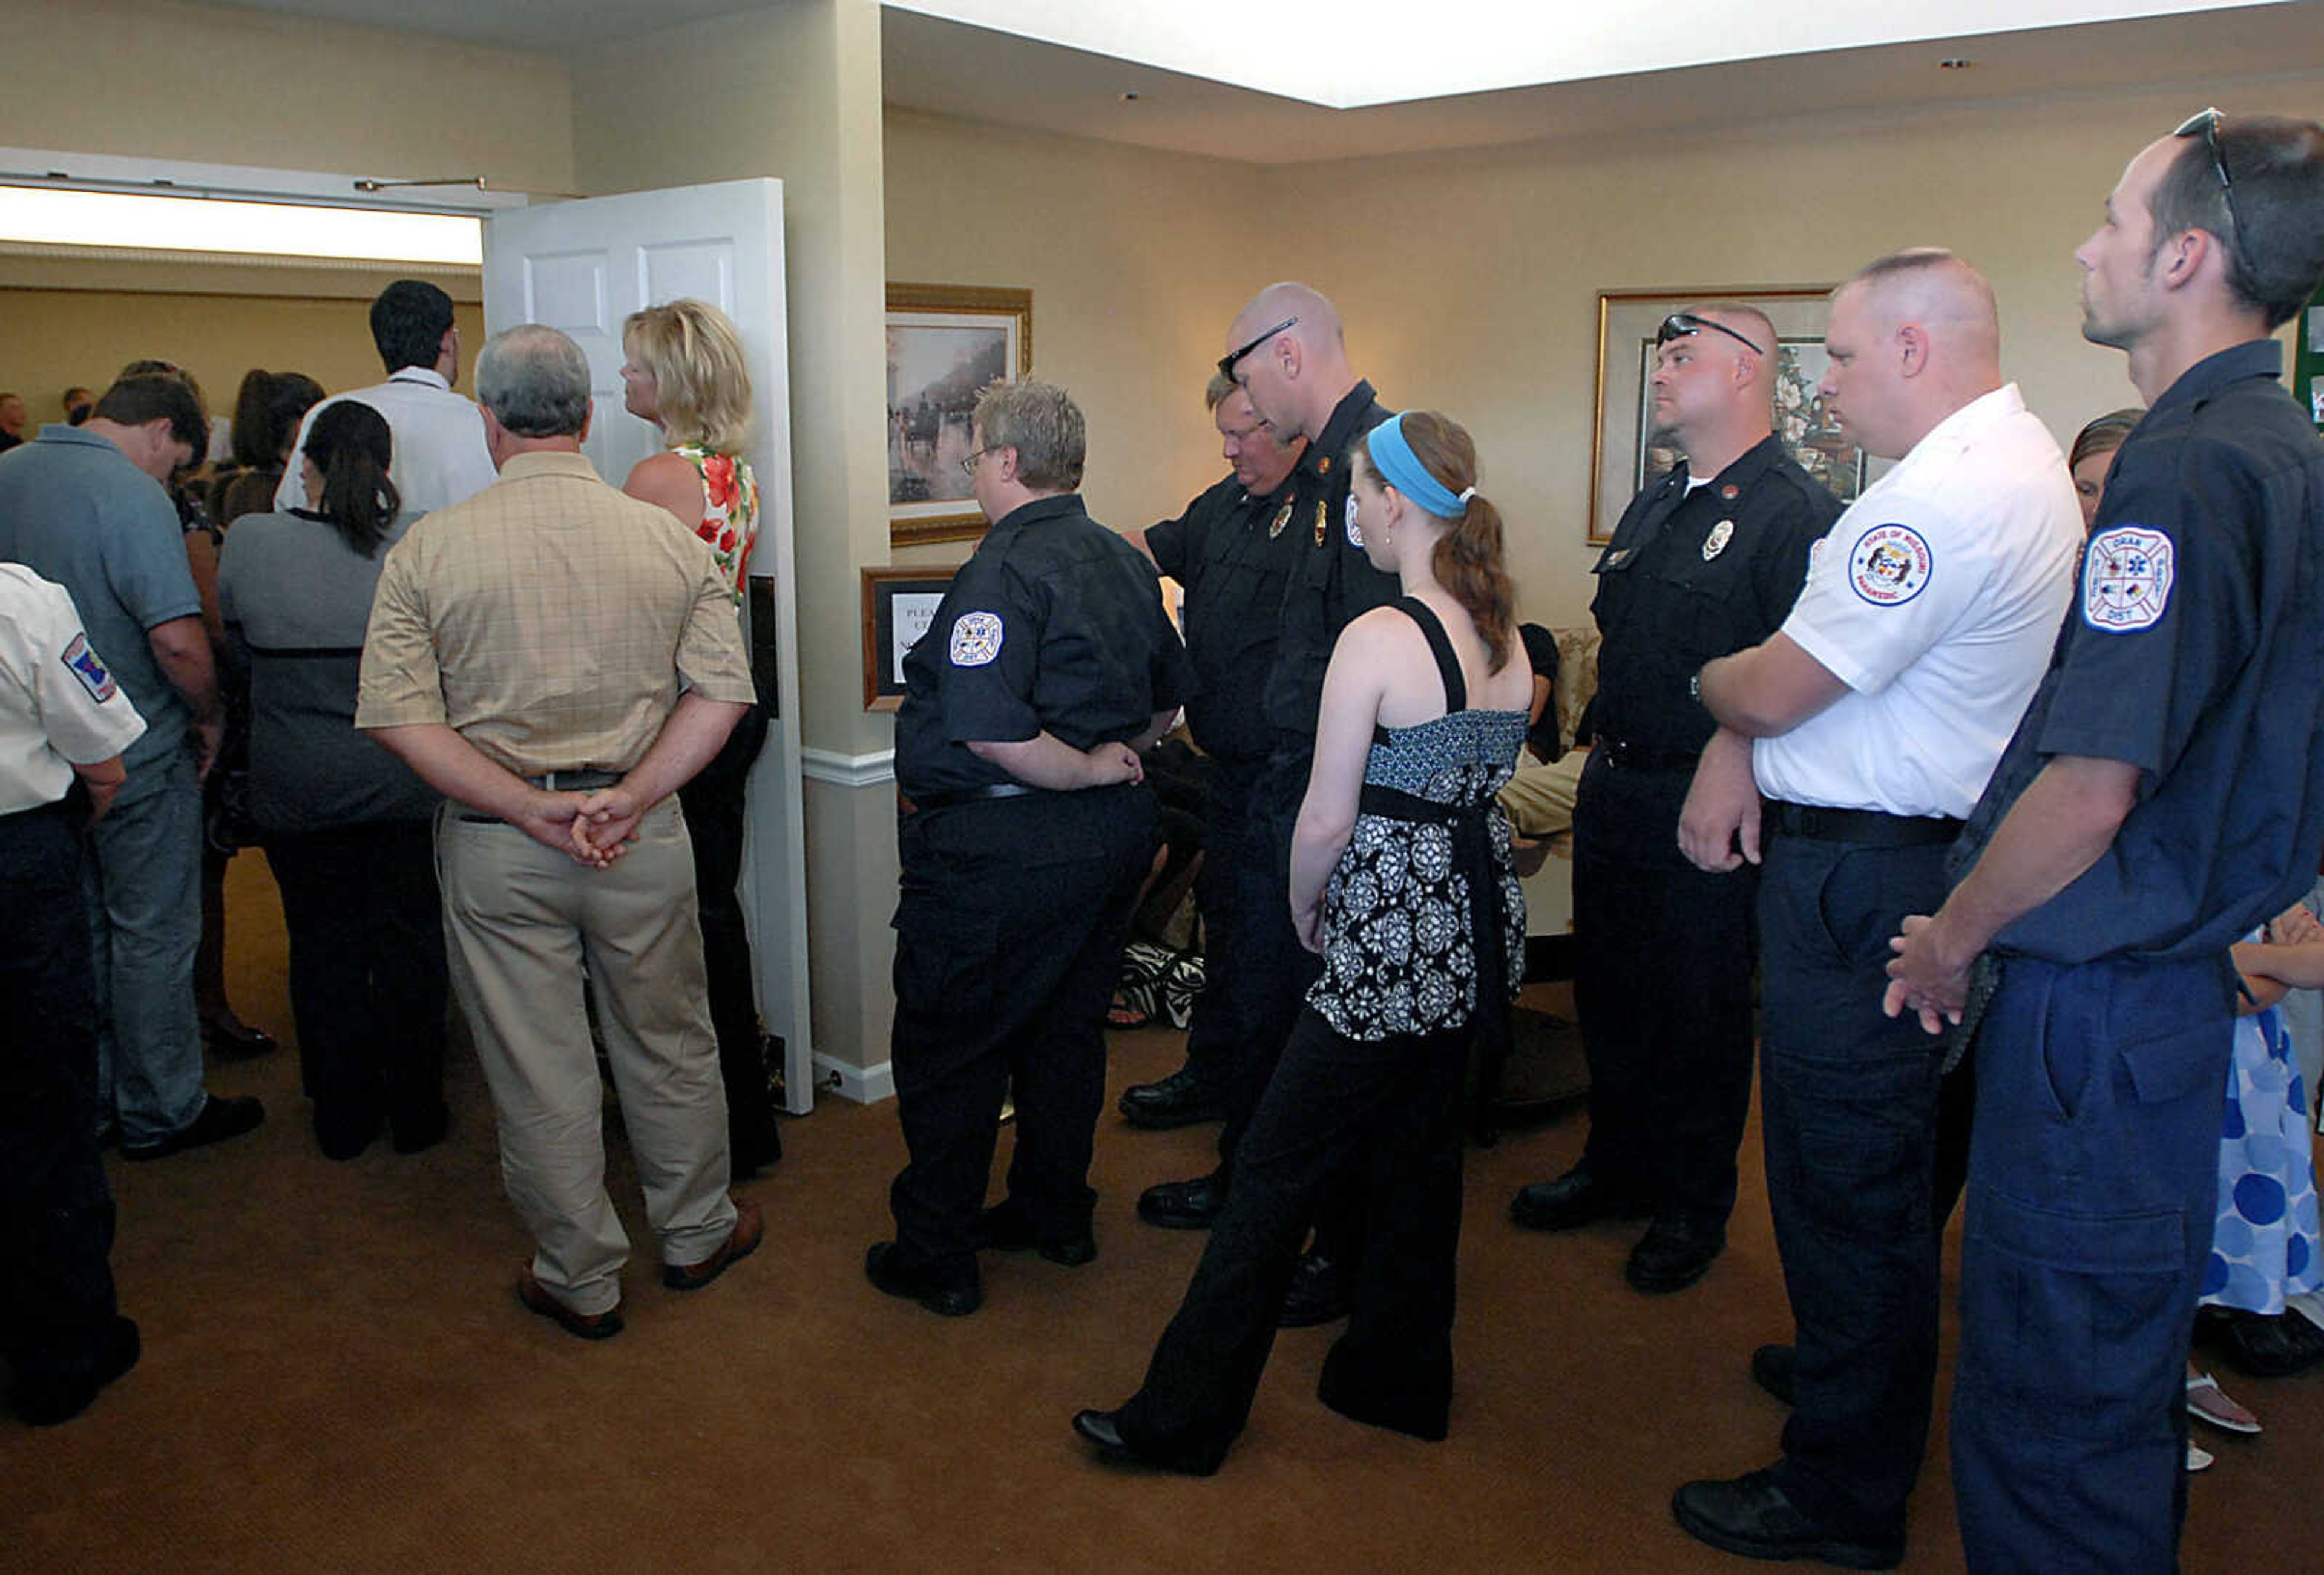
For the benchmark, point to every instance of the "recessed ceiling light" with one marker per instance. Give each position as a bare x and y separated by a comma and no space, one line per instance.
1129,98
1957,63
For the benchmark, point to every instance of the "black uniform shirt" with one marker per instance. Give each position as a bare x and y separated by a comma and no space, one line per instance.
2194,651
1057,625
1335,584
1233,553
1693,576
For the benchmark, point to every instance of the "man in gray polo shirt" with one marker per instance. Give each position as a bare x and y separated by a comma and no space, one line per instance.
84,506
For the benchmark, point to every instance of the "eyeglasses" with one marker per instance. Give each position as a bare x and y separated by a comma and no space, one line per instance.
1686,325
968,461
2208,121
1227,362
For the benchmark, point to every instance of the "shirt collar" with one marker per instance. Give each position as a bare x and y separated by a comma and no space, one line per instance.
548,462
1054,507
2212,374
59,432
422,374
1746,467
1987,410
1339,432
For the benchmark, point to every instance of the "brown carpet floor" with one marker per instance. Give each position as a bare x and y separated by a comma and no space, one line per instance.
337,1376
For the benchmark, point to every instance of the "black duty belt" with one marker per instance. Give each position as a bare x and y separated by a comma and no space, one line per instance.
1870,828
587,780
1630,757
946,799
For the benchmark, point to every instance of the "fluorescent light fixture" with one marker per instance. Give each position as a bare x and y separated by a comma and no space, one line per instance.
1344,54
47,215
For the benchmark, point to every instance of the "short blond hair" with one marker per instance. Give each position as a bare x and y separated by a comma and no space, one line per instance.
702,383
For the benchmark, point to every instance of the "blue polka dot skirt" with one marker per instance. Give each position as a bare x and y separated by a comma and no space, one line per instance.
2264,1246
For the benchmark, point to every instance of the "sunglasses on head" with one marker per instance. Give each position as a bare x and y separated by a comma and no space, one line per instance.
2207,122
1686,325
1227,363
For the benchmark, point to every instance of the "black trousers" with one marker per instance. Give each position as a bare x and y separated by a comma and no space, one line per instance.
56,1213
1009,925
1848,1104
1381,1118
714,805
1662,982
1276,970
368,983
1222,1033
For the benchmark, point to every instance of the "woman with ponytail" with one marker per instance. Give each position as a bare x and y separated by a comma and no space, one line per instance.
1401,880
346,825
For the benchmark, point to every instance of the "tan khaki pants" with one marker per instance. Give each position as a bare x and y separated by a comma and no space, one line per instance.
527,930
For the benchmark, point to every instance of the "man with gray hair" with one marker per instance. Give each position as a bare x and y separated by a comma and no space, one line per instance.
556,658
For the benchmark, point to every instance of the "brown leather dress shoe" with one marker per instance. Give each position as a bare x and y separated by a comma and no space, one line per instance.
750,1229
537,1298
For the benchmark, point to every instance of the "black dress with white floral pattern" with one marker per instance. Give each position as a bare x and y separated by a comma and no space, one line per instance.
1398,956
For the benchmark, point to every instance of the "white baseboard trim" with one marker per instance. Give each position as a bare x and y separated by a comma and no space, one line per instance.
848,770
864,1085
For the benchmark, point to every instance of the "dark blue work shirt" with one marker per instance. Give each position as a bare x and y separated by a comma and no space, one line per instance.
1233,553
1054,625
2194,651
1689,576
1335,584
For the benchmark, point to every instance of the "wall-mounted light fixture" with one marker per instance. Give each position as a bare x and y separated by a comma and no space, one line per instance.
51,216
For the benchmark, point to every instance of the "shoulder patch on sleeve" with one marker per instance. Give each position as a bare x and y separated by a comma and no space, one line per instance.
1355,530
1890,564
976,639
91,671
2127,576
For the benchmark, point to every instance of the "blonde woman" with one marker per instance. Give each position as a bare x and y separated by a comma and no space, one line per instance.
684,370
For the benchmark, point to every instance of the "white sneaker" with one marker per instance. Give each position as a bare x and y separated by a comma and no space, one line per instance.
2198,1459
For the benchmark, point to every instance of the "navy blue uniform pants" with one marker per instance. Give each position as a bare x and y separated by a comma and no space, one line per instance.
2093,1187
368,982
1669,1046
57,1300
714,805
1379,1117
1848,1110
1009,925
1220,1037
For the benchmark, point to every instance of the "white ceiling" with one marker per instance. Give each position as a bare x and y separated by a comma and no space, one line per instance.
949,68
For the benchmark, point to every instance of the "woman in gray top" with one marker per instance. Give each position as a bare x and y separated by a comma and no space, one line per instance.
346,825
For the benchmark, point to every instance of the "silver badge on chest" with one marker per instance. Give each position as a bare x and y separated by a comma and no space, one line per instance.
1716,542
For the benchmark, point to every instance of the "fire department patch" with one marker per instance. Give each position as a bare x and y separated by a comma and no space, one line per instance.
975,638
89,670
2127,579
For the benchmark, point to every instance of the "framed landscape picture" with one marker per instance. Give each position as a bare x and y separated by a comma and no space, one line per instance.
945,344
1628,456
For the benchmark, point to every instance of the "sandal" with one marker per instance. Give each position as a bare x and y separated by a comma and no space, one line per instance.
2206,1402
2198,1459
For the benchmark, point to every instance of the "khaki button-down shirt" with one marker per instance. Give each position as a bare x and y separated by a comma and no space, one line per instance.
551,621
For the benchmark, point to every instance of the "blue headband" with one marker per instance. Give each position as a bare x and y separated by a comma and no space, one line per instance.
1394,463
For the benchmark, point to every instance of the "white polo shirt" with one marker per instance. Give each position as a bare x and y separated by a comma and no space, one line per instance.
1936,598
439,458
59,704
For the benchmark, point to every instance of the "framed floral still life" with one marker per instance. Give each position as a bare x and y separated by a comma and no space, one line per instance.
945,343
1630,453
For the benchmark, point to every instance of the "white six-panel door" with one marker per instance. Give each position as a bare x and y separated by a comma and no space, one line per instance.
582,267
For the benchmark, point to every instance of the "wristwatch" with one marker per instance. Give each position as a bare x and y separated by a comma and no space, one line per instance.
1695,687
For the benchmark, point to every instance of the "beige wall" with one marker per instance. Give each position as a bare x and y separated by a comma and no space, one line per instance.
1136,261
1476,289
215,85
57,337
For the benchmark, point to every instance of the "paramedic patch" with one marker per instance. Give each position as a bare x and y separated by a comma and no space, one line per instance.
1355,531
975,638
89,670
1889,564
2127,579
